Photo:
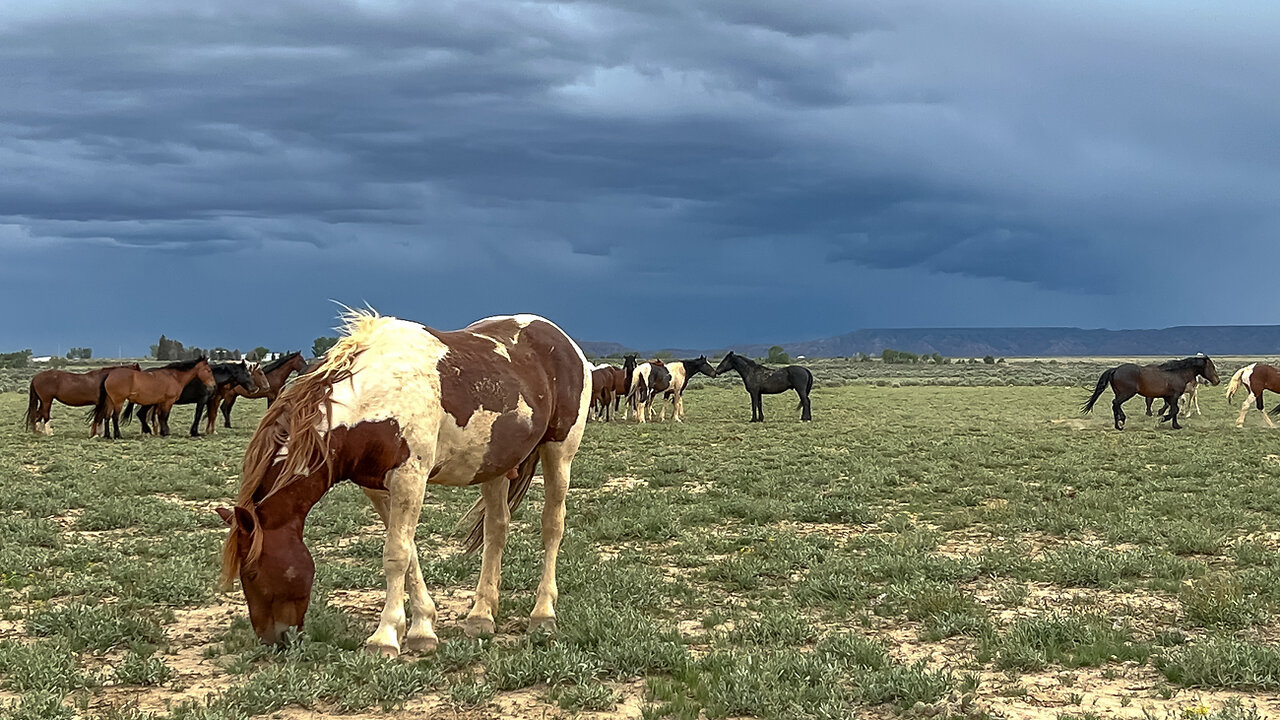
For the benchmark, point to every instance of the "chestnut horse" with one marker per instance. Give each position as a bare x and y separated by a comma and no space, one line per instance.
1167,380
396,406
1255,378
277,374
68,388
606,383
160,387
226,375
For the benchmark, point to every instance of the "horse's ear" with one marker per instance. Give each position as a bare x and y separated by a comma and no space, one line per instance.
244,519
226,514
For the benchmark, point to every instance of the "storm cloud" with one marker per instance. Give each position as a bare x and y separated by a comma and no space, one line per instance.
661,174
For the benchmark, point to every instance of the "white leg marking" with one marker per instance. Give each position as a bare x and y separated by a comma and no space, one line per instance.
484,608
422,634
407,486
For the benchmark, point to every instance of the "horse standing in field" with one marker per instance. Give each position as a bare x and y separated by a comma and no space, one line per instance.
68,388
277,374
1168,381
607,382
760,380
396,406
226,376
160,387
628,368
647,380
682,371
1255,378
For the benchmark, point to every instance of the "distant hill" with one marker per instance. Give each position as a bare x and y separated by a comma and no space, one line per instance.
1033,342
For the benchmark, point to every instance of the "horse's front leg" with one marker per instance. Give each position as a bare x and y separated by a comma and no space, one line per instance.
406,488
422,625
1173,411
497,516
1149,401
757,407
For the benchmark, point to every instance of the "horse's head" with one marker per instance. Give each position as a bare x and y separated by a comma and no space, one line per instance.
205,373
726,364
297,363
277,581
257,377
1209,372
239,372
699,365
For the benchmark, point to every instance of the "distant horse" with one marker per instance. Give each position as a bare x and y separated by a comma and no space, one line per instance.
682,371
277,374
394,407
160,387
760,380
628,368
228,375
1255,378
607,383
647,381
1167,380
68,388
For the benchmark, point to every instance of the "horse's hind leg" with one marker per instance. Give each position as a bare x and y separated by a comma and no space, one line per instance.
1244,410
1118,411
757,407
422,625
1149,401
226,410
497,517
556,461
806,413
1265,416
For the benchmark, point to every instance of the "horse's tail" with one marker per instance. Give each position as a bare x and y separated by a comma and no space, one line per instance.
1097,392
99,411
1236,379
29,420
128,413
515,494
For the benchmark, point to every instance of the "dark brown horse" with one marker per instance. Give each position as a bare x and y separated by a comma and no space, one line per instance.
160,387
397,406
68,388
1166,380
277,374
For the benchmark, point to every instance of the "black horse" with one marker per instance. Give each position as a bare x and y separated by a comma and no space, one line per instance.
761,380
1167,380
628,365
225,375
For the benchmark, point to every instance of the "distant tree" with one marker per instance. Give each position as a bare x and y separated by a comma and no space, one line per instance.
664,355
990,360
778,356
79,353
258,353
322,345
898,356
15,359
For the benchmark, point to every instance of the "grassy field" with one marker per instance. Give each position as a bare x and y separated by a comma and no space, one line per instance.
917,550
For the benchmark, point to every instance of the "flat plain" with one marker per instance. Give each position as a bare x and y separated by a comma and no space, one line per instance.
923,548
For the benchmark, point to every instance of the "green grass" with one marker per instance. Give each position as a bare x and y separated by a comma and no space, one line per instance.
877,561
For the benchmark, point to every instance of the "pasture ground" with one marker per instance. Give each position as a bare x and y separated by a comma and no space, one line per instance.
917,551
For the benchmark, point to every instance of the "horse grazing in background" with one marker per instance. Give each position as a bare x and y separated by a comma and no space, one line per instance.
160,387
236,374
760,380
607,383
1167,380
394,407
1255,378
682,371
647,381
277,374
68,388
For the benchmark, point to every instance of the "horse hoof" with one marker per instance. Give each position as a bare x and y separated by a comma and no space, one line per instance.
478,627
542,626
383,650
424,644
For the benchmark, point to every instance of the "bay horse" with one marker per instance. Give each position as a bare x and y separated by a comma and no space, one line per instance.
277,374
760,380
160,387
607,383
226,375
647,381
394,407
682,371
68,388
1167,380
1255,378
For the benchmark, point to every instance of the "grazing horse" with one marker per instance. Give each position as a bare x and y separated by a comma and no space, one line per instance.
1255,378
682,371
277,374
68,388
396,406
647,380
160,387
761,380
1167,380
606,384
228,375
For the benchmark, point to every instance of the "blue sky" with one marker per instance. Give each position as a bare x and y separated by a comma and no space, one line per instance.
660,174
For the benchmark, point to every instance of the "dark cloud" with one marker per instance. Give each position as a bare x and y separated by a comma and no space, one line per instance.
742,170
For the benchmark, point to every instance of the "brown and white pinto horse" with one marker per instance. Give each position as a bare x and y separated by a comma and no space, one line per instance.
1255,378
277,374
68,388
160,387
396,406
682,371
648,380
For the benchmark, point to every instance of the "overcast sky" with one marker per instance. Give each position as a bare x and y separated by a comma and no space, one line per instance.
659,173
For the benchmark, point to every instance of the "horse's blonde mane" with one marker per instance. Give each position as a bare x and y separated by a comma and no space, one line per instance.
293,422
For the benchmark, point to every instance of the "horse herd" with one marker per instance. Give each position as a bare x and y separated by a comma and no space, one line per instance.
1175,380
